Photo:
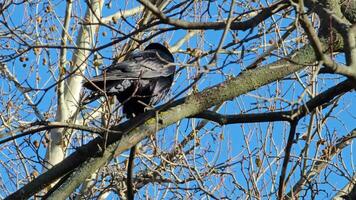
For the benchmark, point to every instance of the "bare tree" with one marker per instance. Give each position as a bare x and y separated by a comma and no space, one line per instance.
261,108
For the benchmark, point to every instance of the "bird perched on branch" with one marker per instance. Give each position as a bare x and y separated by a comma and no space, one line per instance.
140,81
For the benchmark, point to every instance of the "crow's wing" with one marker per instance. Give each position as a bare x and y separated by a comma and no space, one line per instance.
139,65
146,64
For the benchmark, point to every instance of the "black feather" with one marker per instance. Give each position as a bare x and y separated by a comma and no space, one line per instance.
142,79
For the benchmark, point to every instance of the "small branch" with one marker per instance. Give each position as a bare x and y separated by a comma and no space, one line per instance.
42,126
264,14
4,70
293,126
324,162
226,30
63,56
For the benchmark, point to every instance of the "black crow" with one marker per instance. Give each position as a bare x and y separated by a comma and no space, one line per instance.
141,80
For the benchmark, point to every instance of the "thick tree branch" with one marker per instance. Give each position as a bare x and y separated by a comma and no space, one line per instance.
192,160
318,47
189,106
136,131
222,119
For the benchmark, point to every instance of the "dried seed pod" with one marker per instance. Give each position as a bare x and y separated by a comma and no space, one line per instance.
39,19
36,144
48,9
258,161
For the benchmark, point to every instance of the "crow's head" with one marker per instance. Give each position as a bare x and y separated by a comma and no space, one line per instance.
161,50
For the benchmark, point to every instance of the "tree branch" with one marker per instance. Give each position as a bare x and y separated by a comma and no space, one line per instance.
5,71
321,99
135,130
191,105
330,152
319,49
292,131
122,14
42,126
264,14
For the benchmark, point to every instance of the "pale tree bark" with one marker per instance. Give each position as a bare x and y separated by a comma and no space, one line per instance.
69,88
